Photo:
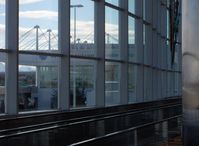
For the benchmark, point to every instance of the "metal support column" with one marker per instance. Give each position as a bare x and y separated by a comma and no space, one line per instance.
64,61
100,47
123,43
12,57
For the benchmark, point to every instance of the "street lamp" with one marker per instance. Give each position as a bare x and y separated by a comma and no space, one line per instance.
74,66
75,6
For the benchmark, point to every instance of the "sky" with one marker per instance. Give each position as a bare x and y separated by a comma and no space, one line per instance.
44,13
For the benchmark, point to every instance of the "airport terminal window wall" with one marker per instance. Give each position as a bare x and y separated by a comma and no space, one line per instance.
60,55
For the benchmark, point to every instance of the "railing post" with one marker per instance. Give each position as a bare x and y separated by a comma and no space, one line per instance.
135,138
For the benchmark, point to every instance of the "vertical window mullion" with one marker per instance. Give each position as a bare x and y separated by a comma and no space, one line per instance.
123,43
99,30
12,57
64,47
139,50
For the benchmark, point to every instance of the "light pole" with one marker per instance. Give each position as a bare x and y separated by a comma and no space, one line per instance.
74,7
74,46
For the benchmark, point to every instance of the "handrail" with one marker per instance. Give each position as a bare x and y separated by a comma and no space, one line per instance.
111,115
72,122
123,131
55,112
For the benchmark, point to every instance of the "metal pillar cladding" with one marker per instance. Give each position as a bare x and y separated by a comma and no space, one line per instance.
190,48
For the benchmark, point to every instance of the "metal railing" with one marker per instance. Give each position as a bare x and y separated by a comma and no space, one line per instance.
7,133
97,139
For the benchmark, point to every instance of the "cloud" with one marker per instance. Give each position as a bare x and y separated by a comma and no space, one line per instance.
2,28
2,2
2,36
2,67
39,14
42,14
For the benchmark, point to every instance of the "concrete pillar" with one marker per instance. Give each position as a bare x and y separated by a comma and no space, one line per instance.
190,45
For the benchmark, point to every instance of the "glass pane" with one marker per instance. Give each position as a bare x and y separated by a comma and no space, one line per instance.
176,84
113,2
146,55
132,6
132,50
148,84
2,24
38,25
2,81
144,9
132,75
177,58
168,24
82,83
82,28
112,34
169,55
168,3
147,45
112,83
38,82
169,84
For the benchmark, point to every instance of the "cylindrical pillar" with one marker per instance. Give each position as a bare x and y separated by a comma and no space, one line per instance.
190,43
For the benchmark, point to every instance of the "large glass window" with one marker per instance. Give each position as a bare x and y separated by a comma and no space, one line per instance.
113,2
144,9
132,6
82,28
38,25
132,75
144,43
112,83
169,54
168,24
147,44
38,82
148,84
131,39
2,24
112,49
82,83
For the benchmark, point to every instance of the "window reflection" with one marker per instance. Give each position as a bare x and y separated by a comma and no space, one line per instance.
131,39
112,34
144,9
82,83
38,82
132,75
168,24
148,84
112,83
